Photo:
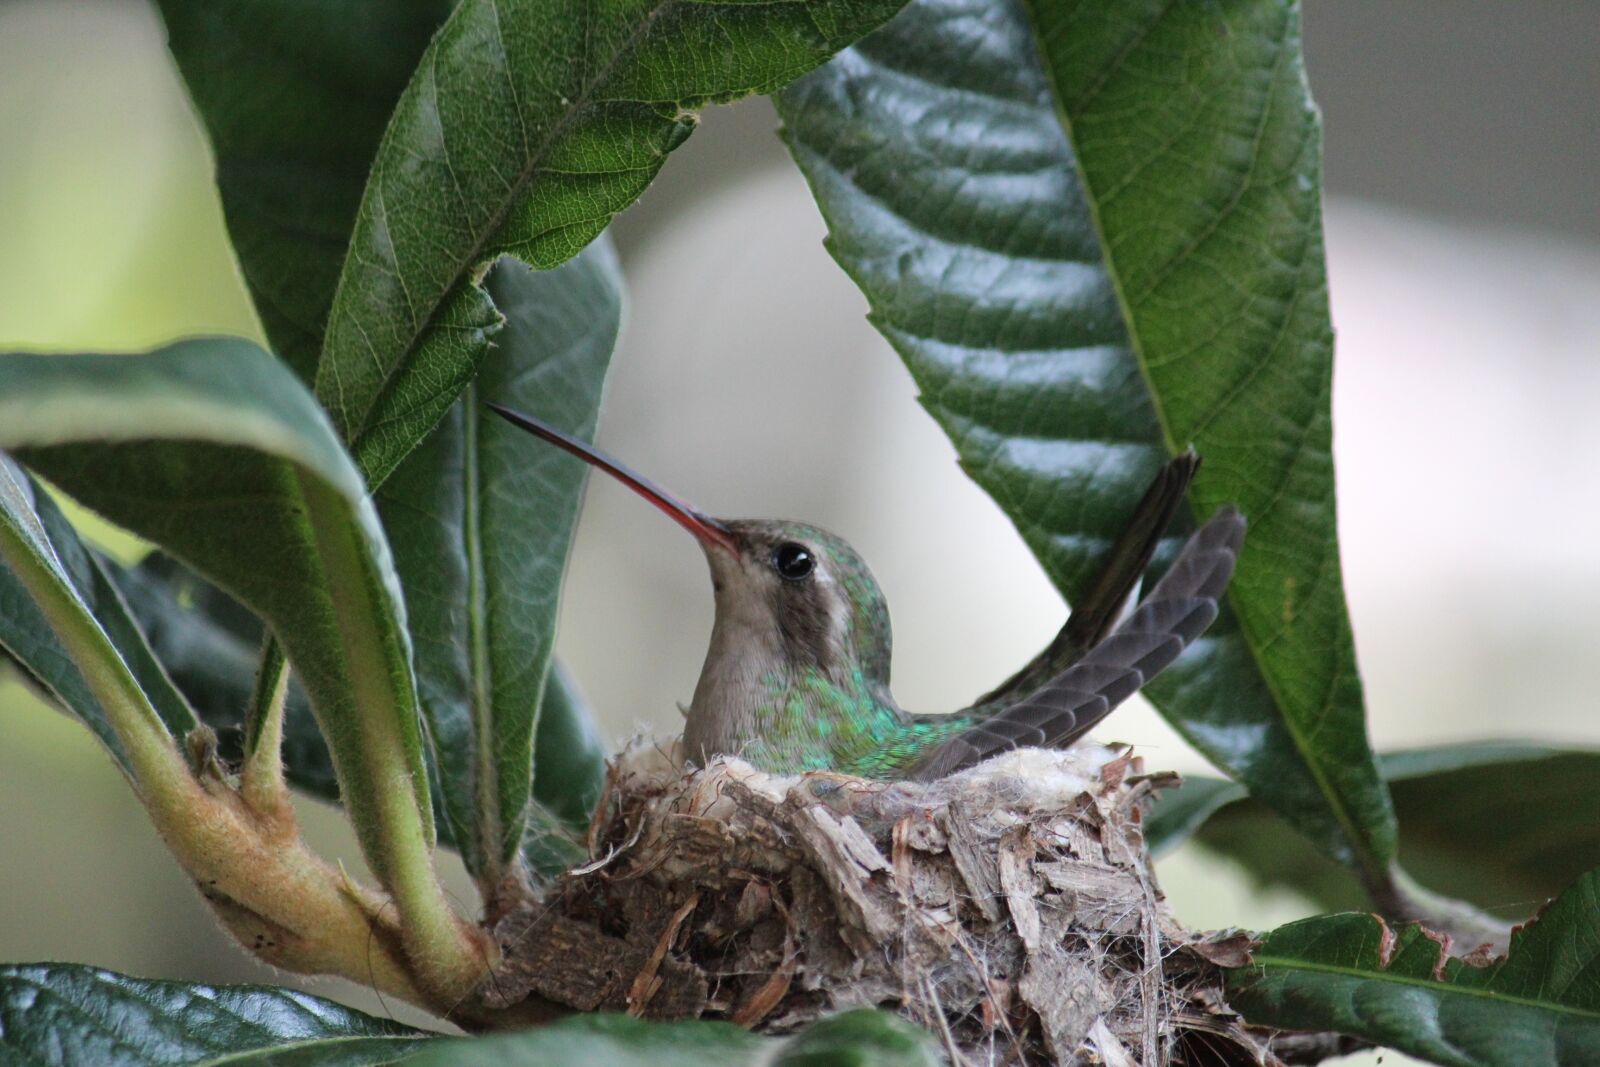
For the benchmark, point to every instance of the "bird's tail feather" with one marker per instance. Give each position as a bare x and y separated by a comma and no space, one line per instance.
1094,613
1175,613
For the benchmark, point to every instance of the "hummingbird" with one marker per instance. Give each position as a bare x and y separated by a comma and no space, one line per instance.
797,674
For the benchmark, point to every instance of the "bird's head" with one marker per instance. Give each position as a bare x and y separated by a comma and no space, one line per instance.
789,588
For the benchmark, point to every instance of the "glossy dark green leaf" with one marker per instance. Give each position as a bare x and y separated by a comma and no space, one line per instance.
1537,1007
52,552
67,1014
57,1013
1503,826
528,125
1093,234
294,98
481,518
212,449
860,1038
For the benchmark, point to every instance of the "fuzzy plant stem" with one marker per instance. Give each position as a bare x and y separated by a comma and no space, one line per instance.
261,781
255,870
381,773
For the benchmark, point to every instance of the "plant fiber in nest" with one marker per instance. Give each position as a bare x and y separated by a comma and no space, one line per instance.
1009,909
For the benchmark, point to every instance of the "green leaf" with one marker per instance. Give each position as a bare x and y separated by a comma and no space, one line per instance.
212,449
481,519
295,101
1094,236
62,1013
49,556
861,1038
569,753
1537,1007
1179,815
67,1013
1504,826
527,126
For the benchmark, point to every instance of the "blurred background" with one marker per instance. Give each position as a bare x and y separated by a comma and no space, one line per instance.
1463,149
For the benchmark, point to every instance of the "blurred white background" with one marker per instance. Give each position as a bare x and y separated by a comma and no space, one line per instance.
1465,274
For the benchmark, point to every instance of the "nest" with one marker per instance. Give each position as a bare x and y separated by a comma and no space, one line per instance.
1010,910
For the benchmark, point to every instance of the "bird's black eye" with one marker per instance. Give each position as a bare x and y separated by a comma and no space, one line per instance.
793,561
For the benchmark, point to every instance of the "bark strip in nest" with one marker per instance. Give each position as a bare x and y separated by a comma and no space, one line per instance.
1009,909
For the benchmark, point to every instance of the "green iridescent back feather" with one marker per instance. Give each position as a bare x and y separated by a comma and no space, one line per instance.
814,723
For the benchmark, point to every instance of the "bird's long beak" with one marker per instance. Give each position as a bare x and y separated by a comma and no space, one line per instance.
708,530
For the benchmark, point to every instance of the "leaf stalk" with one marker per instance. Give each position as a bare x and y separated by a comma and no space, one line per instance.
261,783
382,775
272,893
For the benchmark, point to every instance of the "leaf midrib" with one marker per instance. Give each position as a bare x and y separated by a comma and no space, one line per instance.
1374,870
318,1042
489,829
1289,963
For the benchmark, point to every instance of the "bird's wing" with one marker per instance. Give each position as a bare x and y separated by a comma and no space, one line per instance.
1177,611
1094,613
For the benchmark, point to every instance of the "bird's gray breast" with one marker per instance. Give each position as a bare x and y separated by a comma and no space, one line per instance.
741,672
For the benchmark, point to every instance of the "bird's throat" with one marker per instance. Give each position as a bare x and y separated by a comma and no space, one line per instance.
744,655
786,719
